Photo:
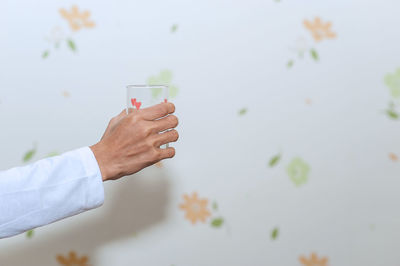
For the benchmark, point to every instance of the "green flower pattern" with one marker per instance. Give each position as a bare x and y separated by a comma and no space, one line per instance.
163,78
393,82
298,171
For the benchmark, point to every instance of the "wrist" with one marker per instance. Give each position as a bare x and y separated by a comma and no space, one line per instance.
101,158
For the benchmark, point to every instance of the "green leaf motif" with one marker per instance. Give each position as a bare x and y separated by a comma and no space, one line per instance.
52,154
45,54
71,45
174,28
393,82
275,233
372,227
243,111
298,171
215,206
392,114
274,160
29,155
217,222
314,54
391,111
290,64
163,78
29,234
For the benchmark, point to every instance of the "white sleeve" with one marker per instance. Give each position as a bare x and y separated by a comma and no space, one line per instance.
49,190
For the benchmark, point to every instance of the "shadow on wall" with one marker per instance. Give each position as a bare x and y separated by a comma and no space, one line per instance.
134,204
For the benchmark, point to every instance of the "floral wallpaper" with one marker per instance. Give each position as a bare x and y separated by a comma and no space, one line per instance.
58,36
72,260
319,31
288,122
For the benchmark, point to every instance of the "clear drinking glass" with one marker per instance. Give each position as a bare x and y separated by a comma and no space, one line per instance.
142,96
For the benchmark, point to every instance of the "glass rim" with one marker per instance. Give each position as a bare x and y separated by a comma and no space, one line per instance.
146,86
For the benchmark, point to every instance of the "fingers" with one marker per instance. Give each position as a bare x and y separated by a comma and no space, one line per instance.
165,123
157,111
167,153
166,137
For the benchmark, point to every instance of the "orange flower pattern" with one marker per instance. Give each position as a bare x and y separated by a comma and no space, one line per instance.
195,208
320,30
393,157
313,260
77,20
72,260
66,94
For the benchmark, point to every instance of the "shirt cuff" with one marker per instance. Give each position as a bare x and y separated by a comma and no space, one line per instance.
95,188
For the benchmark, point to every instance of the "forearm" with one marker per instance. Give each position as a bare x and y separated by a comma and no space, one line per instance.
49,190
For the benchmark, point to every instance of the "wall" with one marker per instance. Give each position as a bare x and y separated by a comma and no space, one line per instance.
288,120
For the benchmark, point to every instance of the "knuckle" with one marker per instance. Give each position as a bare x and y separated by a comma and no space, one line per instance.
157,155
153,128
149,143
146,130
136,117
142,133
151,156
133,118
143,129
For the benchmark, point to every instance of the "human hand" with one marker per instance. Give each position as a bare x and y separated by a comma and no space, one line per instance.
132,141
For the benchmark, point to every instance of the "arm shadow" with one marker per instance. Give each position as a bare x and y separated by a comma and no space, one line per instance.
132,205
